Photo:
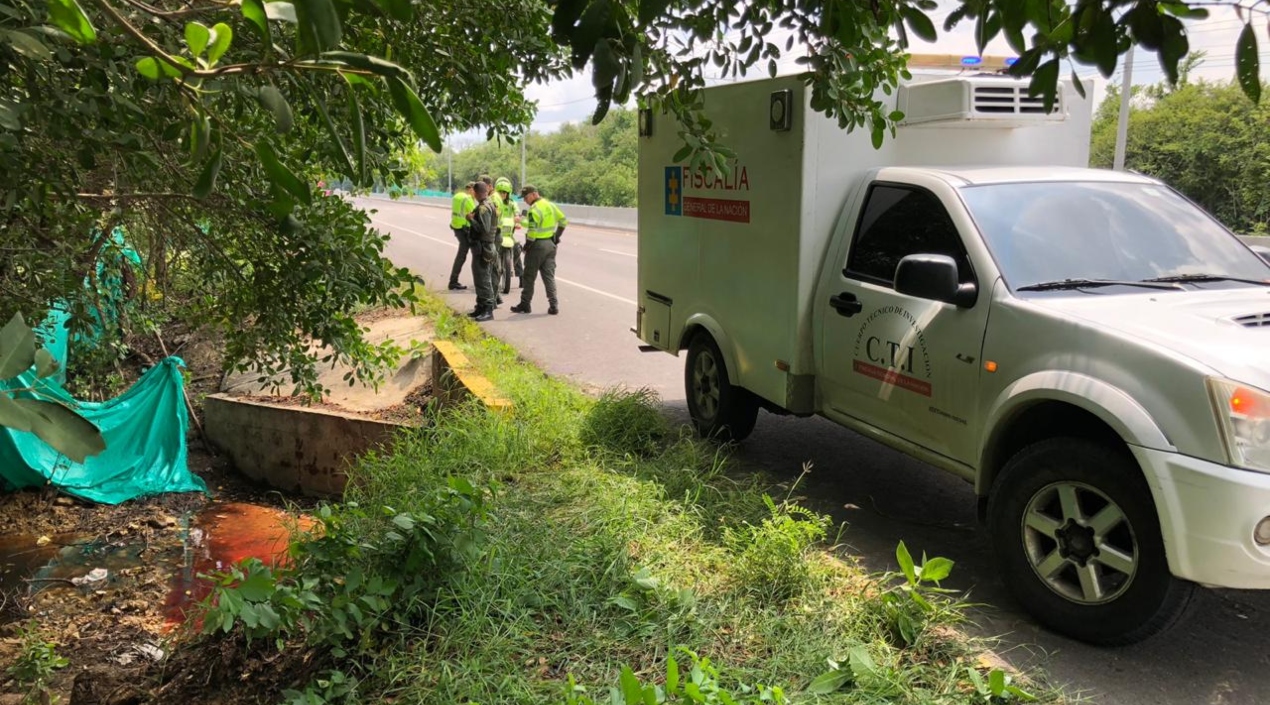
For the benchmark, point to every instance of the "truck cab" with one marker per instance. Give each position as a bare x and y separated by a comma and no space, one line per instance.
1086,347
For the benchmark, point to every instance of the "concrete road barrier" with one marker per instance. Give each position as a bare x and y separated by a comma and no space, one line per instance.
594,216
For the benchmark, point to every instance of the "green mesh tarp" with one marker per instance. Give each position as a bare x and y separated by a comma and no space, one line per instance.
144,429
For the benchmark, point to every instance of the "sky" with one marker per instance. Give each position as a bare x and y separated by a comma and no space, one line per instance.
573,100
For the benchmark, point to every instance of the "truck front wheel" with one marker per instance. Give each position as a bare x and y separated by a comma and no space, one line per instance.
719,410
1076,533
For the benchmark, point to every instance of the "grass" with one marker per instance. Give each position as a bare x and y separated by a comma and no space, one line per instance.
612,539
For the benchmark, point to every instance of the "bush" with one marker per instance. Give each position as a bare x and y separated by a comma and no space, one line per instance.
626,423
771,558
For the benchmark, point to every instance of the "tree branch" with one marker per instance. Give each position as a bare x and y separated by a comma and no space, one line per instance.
176,14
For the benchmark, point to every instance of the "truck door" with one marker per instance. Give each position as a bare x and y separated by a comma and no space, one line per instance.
905,365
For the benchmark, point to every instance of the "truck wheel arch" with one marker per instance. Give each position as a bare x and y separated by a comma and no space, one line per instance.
1061,403
702,323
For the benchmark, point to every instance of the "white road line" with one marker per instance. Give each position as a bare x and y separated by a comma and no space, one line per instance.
447,243
455,245
597,291
617,252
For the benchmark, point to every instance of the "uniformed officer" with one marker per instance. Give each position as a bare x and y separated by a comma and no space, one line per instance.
546,225
484,243
463,203
509,220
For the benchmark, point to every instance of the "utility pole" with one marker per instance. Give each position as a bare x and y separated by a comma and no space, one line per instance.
1122,128
522,157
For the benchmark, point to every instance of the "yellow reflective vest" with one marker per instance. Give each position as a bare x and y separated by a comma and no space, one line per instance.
507,220
459,208
544,218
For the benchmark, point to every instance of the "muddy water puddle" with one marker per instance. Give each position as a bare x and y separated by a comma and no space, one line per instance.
212,539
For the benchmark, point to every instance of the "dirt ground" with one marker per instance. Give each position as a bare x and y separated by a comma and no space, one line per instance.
115,631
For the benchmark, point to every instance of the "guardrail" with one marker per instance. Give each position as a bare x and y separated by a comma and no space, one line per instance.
594,216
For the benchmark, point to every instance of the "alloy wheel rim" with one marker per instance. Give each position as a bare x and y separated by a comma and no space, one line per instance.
705,385
1080,543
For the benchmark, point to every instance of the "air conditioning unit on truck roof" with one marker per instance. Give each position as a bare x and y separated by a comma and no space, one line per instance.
975,101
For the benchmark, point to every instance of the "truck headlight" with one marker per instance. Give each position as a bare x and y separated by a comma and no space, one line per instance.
1243,413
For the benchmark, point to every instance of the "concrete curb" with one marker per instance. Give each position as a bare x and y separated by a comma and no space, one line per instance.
295,449
455,379
307,450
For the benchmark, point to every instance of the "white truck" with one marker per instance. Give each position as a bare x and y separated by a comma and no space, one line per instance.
1088,348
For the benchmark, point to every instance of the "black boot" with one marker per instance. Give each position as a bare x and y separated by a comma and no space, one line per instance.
455,286
476,311
520,308
486,315
553,310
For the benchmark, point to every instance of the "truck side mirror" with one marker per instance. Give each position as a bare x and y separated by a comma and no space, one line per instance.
934,277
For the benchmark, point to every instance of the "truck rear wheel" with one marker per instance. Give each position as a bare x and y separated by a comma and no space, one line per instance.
719,410
1075,531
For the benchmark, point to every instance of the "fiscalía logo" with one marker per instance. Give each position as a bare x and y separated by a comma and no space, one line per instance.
674,190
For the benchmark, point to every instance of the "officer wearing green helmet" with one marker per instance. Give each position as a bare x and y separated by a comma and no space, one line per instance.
509,221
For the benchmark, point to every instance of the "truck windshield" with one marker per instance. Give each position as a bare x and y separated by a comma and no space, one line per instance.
1048,232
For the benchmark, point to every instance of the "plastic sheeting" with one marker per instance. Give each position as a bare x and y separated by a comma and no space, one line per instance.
144,429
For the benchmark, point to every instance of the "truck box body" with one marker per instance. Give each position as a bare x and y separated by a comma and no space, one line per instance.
743,251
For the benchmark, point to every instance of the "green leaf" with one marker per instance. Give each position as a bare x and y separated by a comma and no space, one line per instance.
223,35
1078,84
650,10
996,682
919,23
322,19
197,36
45,363
281,12
374,64
905,560
411,108
273,100
1248,64
67,432
254,12
1045,83
829,682
672,675
936,569
149,67
631,690
13,416
626,603
17,347
359,134
682,154
862,665
397,9
207,179
281,175
320,103
257,587
26,44
69,17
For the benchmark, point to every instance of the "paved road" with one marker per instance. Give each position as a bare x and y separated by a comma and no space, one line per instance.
1220,656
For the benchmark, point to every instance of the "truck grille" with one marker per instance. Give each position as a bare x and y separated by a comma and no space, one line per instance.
1256,320
1010,100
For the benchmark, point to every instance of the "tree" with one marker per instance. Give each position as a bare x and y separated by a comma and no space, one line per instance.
201,127
1208,140
658,50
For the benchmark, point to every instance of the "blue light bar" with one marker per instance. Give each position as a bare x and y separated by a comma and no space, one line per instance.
1010,61
971,60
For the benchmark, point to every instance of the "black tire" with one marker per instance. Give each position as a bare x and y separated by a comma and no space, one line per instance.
1108,578
719,410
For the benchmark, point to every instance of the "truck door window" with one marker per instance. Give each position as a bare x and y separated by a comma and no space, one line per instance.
899,221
